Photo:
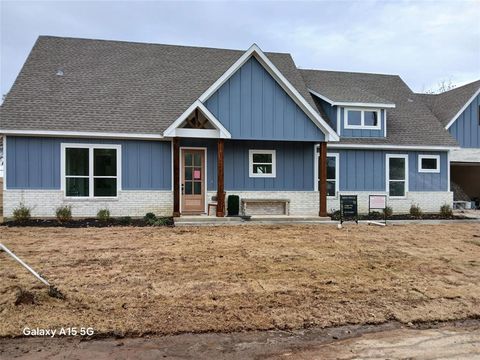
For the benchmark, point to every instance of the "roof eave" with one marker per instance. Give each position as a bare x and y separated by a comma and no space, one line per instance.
352,104
450,123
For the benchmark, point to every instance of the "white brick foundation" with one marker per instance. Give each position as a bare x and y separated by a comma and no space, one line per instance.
429,202
301,202
307,202
43,203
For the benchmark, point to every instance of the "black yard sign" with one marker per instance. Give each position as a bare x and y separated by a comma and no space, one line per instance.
348,208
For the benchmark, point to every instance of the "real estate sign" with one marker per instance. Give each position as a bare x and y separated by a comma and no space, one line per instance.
348,208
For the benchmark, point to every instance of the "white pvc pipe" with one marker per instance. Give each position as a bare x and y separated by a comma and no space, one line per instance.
4,248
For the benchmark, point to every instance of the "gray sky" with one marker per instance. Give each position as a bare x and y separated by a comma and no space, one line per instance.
424,42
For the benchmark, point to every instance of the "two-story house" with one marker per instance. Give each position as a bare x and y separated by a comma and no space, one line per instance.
139,128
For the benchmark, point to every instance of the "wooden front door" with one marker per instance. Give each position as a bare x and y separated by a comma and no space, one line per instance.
193,181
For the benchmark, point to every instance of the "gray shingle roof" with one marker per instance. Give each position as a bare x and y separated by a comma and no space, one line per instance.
113,86
338,88
447,104
410,123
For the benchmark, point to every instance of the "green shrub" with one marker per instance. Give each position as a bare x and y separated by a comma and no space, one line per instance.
150,218
387,212
162,221
125,220
416,211
233,205
375,215
335,215
21,213
446,211
103,215
64,213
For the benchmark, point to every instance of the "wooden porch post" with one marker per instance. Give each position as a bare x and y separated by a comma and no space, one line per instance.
322,170
176,177
220,180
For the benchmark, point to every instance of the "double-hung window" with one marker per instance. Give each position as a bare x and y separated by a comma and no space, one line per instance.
397,175
429,163
91,171
262,163
362,119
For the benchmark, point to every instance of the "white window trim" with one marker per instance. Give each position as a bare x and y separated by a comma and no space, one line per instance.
90,148
316,154
387,168
250,163
422,170
337,173
362,125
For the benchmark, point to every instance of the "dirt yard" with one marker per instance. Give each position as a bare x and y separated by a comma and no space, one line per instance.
135,281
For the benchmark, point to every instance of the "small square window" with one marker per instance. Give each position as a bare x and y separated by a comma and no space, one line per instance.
262,163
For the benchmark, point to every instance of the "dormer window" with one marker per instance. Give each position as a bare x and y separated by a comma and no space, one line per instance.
362,119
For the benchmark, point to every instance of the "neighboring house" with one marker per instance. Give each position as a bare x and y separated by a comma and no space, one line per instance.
458,110
139,128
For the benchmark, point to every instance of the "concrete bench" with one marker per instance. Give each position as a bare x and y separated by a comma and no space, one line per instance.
265,206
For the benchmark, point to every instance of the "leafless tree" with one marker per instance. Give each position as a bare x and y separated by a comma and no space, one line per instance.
442,86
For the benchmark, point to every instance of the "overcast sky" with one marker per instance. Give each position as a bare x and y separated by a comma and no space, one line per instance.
424,42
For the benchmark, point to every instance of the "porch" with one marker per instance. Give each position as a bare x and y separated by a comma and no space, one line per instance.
206,171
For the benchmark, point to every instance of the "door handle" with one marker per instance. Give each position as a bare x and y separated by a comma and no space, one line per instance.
182,188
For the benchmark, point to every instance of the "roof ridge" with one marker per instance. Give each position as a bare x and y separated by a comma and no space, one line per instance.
349,72
156,44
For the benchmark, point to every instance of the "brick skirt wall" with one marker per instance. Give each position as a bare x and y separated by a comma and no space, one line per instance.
43,203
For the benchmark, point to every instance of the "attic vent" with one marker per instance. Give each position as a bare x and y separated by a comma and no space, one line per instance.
409,100
60,72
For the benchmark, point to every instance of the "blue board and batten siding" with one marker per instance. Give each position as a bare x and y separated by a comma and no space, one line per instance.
466,129
332,113
294,165
365,170
252,106
34,163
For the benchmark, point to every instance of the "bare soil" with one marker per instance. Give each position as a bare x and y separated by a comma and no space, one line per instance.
450,340
138,281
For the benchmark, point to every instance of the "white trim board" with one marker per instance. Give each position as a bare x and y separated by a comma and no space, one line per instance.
465,155
390,147
255,51
219,131
4,162
450,123
80,134
351,103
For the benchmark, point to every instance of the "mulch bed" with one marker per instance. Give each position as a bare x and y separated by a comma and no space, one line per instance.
84,223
